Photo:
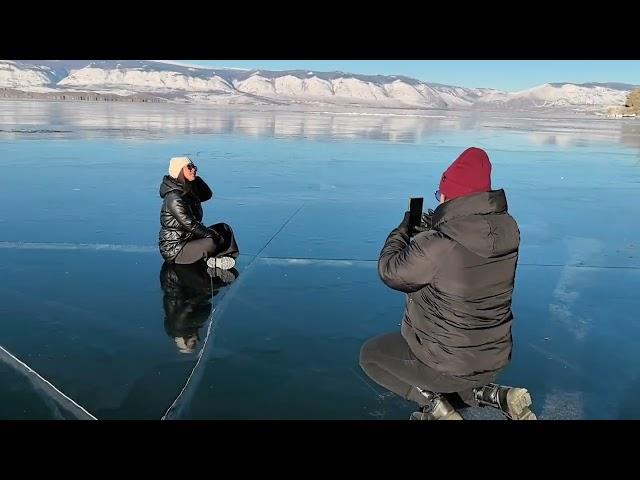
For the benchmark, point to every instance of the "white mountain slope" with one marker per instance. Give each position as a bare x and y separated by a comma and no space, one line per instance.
228,86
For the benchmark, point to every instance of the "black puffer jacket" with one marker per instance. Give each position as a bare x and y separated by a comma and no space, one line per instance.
181,214
459,277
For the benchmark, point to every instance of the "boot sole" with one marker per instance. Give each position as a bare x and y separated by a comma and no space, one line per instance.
518,403
451,416
223,263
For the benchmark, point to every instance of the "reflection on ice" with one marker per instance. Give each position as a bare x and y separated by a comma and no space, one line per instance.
59,120
189,292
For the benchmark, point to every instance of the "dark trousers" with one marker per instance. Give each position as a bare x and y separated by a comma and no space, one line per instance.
203,248
388,361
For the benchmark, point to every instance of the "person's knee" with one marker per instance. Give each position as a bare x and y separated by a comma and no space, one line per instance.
209,246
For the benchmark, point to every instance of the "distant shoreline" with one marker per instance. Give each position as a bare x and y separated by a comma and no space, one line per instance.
88,98
77,96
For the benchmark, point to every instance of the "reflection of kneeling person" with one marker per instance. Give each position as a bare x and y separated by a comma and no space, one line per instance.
183,238
188,291
458,274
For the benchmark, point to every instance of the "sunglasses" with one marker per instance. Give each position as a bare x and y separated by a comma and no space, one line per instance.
437,194
192,167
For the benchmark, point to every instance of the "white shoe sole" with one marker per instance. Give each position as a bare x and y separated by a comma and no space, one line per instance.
518,403
223,263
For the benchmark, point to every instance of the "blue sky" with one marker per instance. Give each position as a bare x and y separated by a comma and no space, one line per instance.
510,75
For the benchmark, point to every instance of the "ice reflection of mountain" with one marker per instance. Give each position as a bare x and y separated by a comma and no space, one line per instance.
19,118
560,139
96,120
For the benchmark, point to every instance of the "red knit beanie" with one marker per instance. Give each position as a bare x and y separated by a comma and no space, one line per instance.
469,173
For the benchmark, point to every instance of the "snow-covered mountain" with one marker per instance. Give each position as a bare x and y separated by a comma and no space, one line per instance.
560,95
171,82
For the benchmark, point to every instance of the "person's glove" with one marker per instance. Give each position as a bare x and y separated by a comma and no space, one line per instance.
404,225
426,222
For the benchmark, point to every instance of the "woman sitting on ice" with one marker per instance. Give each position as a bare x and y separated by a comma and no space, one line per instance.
183,238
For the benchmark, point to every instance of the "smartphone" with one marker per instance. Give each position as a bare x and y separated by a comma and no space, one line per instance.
415,212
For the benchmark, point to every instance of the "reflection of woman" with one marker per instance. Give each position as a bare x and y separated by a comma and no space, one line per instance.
188,290
183,238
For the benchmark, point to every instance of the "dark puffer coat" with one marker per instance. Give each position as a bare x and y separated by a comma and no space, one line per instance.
181,215
459,277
